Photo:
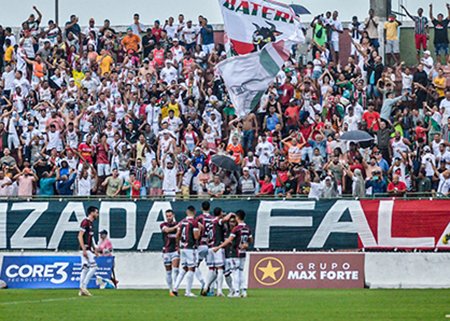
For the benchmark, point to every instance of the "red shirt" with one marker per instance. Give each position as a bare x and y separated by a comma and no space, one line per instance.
135,189
401,187
371,119
266,188
102,154
158,56
86,151
292,114
156,33
288,93
420,132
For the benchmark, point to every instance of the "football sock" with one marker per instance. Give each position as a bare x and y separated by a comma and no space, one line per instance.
211,277
241,280
229,281
190,280
179,279
236,280
219,280
84,271
199,276
175,272
89,275
169,279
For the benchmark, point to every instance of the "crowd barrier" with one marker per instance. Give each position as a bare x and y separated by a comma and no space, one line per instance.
277,225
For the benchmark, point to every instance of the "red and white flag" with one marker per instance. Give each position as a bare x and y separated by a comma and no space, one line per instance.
251,24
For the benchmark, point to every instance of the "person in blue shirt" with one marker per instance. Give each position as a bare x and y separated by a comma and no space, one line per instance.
377,183
207,35
47,184
64,185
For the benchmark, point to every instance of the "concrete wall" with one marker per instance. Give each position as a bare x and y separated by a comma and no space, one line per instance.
382,270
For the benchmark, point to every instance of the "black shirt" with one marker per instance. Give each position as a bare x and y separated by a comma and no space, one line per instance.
440,31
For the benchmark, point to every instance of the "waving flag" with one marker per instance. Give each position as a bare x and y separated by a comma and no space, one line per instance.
251,24
247,77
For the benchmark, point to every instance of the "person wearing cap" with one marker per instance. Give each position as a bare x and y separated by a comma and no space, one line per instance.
177,51
427,62
189,34
169,72
392,42
131,41
247,183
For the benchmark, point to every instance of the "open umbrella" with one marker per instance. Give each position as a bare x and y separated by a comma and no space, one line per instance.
357,136
298,9
224,162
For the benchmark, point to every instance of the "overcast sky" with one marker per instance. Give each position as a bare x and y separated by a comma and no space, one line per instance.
120,12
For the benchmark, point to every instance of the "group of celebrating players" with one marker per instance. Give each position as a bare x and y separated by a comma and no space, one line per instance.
220,239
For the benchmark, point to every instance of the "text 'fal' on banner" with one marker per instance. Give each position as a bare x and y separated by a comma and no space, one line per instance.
306,270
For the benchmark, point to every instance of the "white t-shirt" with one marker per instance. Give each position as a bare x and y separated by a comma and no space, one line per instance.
444,185
264,150
315,191
334,34
8,79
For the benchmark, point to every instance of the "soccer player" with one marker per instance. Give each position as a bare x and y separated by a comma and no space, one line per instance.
171,256
87,247
229,226
216,260
188,234
240,238
205,219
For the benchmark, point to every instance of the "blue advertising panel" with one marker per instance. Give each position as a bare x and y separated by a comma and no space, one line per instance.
50,272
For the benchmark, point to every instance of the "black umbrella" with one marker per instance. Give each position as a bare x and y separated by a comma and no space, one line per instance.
298,9
357,136
224,162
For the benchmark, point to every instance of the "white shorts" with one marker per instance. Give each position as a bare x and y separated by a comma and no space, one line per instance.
392,46
235,263
103,169
335,45
188,258
170,257
89,261
208,48
202,253
215,259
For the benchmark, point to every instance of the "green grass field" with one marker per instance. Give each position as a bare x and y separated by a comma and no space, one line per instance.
264,305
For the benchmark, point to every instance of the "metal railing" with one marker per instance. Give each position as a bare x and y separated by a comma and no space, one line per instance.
407,196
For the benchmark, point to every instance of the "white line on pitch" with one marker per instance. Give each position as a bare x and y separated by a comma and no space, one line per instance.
42,301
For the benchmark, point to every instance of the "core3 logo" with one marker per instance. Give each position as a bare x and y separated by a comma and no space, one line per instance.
55,273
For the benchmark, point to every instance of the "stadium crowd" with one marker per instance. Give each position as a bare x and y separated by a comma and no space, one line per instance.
95,111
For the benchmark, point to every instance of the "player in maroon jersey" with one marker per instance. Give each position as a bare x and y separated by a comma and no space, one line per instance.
202,252
216,260
171,256
87,247
188,234
240,238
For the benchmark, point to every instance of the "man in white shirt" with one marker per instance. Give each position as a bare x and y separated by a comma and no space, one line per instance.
351,119
444,107
264,151
336,29
189,35
427,62
8,77
169,73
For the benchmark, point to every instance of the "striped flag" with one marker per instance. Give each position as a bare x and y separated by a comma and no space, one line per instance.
247,77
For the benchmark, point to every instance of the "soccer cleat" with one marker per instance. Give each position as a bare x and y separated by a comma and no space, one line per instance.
236,294
190,295
204,292
220,294
230,294
244,294
84,292
174,293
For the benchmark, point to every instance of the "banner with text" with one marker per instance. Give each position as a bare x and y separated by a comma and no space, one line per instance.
306,270
276,225
51,272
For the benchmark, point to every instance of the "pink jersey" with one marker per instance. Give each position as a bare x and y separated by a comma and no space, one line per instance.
105,247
